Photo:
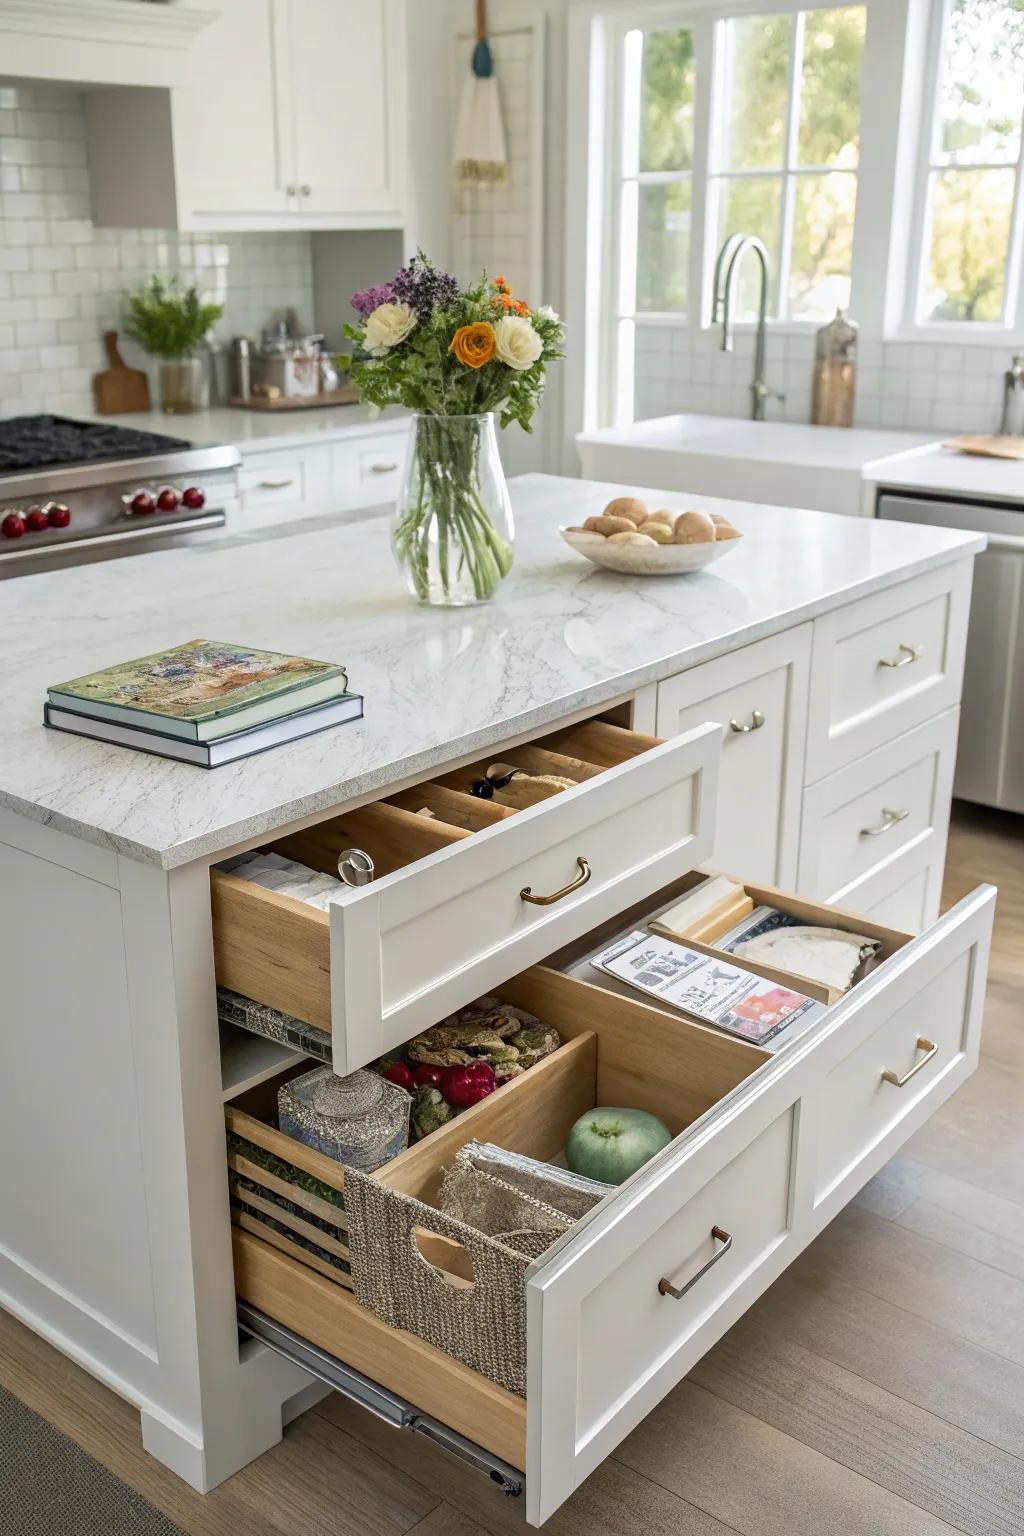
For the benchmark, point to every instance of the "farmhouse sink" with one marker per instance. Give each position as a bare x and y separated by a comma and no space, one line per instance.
784,463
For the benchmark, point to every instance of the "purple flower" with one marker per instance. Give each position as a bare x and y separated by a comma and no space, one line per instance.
423,288
368,299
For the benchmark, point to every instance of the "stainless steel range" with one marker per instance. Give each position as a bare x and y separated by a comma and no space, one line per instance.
76,491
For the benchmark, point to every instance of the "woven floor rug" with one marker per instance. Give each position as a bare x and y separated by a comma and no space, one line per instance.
49,1487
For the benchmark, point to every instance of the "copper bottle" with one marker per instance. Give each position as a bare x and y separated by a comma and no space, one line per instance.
835,373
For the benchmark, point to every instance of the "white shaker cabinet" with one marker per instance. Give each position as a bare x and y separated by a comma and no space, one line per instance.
290,114
759,694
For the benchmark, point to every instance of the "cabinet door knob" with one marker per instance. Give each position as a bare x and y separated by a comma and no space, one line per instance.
678,1292
305,189
526,894
291,189
929,1048
908,653
889,820
753,724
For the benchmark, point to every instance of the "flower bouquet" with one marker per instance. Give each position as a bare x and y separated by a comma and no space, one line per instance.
454,357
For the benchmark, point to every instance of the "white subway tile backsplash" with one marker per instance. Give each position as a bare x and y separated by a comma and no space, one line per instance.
63,282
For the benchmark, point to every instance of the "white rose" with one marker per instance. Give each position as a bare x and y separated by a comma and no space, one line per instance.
547,313
387,326
517,343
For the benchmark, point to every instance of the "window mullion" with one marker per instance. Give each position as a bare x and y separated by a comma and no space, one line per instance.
796,54
1012,282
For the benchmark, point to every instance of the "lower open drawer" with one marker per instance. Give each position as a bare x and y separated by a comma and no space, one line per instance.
765,1150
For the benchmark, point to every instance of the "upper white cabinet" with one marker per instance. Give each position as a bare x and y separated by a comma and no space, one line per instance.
290,116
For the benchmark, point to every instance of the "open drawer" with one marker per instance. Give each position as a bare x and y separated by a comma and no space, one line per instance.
473,892
765,1151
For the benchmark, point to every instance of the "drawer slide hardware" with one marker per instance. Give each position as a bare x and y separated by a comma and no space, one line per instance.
889,820
526,894
753,724
385,1405
908,653
930,1049
678,1292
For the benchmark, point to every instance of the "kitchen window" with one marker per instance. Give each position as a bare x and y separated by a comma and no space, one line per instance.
967,260
724,119
785,153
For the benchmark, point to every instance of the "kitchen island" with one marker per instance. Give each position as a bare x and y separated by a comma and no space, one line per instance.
795,734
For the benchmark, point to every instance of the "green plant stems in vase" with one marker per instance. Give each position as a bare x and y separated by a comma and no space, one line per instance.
453,529
456,357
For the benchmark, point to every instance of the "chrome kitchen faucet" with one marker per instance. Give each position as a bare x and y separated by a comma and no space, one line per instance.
729,258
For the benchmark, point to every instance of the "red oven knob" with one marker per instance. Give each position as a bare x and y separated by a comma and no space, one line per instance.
36,520
194,498
168,499
13,526
58,515
140,503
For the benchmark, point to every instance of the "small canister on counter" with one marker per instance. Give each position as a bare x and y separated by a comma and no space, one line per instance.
835,373
241,368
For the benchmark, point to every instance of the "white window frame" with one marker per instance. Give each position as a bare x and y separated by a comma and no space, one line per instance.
599,372
912,327
789,171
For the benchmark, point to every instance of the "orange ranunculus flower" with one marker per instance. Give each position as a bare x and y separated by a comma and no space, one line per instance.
506,301
473,345
502,282
521,307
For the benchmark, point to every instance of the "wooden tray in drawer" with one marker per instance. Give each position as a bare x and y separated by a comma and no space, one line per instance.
451,913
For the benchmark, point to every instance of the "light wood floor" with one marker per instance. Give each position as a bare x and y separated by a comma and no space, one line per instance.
876,1390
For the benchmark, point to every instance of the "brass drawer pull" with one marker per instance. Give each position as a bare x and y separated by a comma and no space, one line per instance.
753,724
677,1292
889,820
383,469
275,485
908,653
545,901
929,1047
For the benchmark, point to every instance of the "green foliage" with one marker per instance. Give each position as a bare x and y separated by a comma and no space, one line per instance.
667,98
168,320
424,375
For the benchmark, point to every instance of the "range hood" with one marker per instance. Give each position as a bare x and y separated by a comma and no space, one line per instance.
101,42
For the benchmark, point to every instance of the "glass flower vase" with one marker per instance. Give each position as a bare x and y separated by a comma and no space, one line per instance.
453,529
184,385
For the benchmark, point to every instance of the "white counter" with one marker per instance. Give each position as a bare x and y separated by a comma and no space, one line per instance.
835,469
940,471
259,430
559,636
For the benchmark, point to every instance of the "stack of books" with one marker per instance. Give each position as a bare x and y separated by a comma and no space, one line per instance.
204,702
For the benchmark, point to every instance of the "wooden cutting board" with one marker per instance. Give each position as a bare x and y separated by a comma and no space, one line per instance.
119,389
989,447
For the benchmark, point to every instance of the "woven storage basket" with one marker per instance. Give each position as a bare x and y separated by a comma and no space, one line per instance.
480,1322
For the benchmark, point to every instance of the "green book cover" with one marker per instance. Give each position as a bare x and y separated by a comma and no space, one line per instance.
204,689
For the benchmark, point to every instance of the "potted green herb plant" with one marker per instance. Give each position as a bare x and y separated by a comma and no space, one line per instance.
169,322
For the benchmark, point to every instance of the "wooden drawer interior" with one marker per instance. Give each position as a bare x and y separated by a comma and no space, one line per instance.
615,1051
277,950
573,959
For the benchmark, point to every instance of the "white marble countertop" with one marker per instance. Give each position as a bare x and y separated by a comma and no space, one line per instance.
942,471
559,636
259,430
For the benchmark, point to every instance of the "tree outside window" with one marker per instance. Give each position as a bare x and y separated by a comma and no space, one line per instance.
968,256
787,147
